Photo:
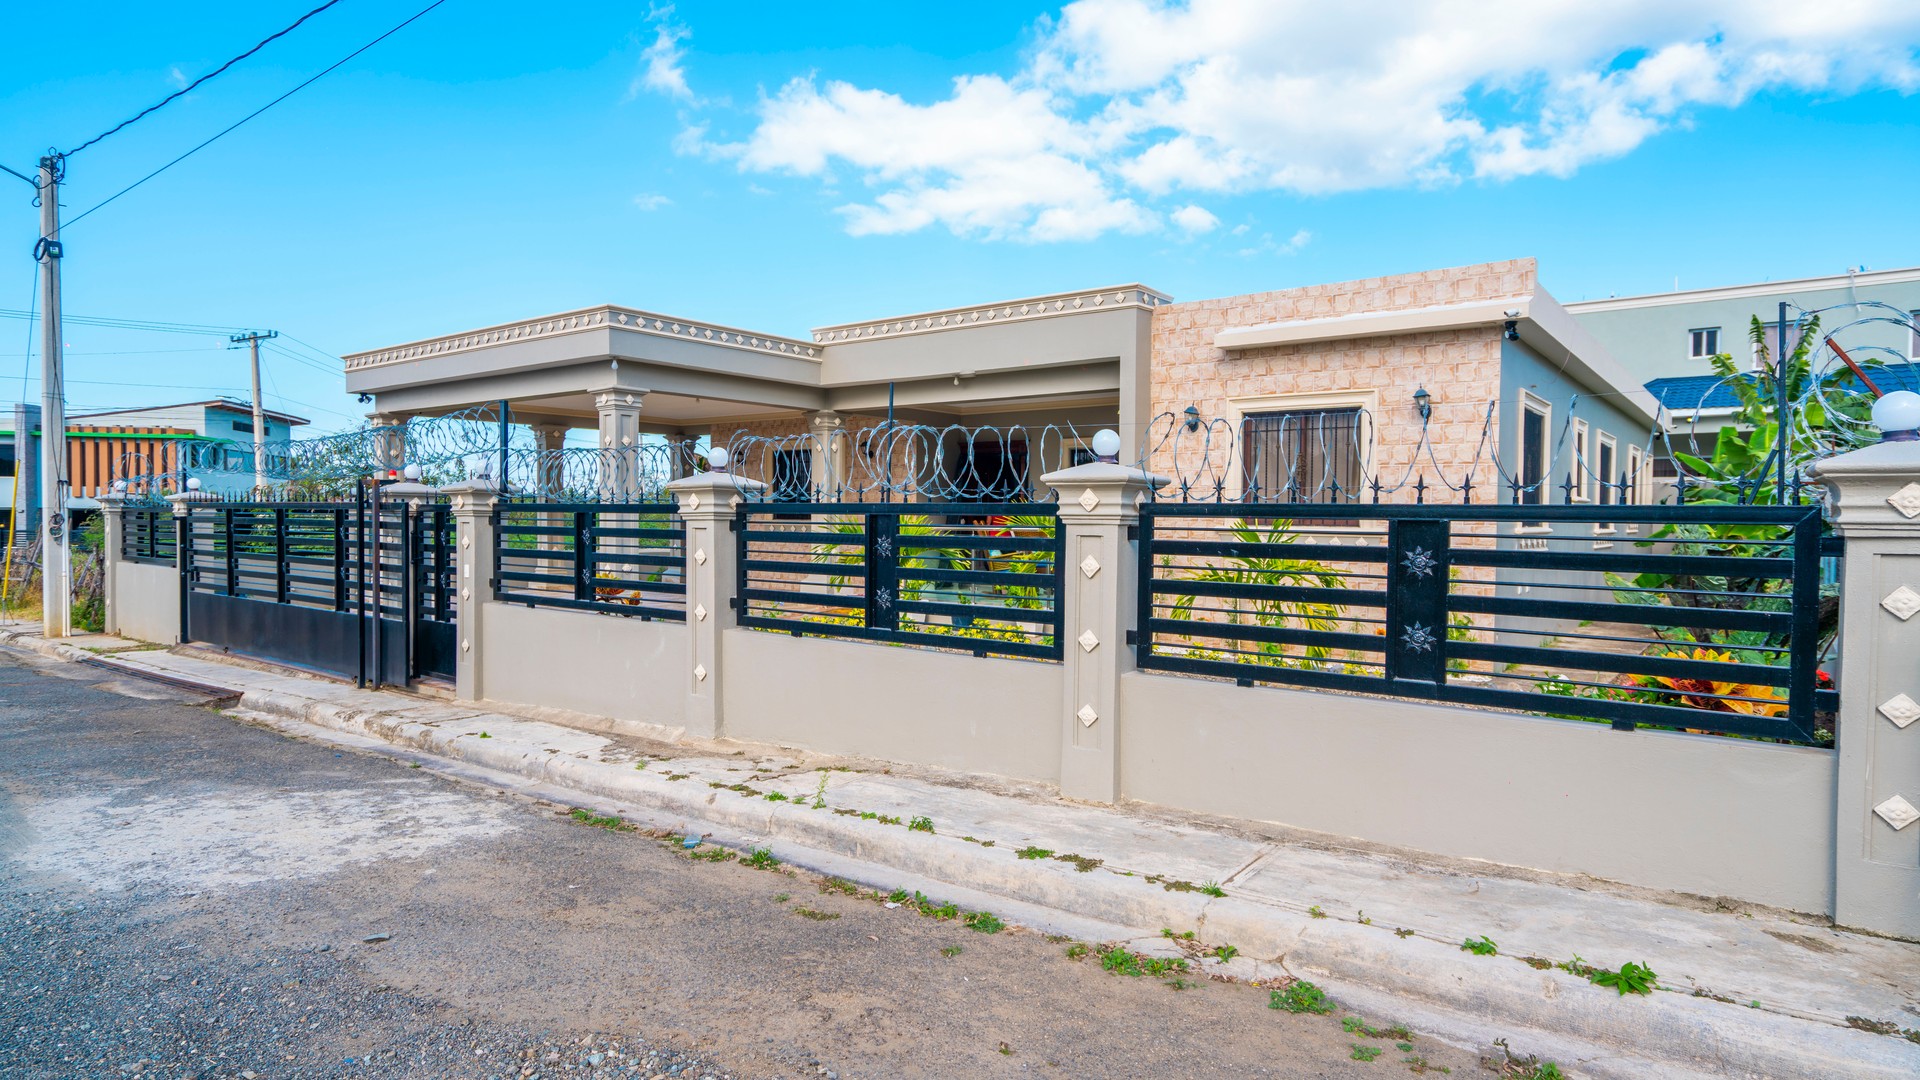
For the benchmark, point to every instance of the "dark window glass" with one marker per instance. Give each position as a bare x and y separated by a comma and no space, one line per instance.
792,475
1705,342
1533,455
1607,479
1307,456
6,460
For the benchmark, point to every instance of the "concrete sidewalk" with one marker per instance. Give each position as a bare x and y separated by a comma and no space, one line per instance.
1744,992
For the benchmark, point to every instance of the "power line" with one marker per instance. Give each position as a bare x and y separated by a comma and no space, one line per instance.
309,82
183,91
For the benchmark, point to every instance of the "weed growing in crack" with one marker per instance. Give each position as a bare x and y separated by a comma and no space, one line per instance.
1213,889
1632,978
1362,1052
1120,961
776,796
840,885
715,855
951,951
1314,912
1031,852
761,859
920,824
781,898
1080,862
816,916
601,821
986,922
1480,946
820,793
1224,953
1403,932
1300,996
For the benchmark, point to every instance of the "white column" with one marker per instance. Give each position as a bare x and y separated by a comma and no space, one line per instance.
707,503
1875,505
1098,502
472,503
619,442
550,472
390,439
830,455
113,509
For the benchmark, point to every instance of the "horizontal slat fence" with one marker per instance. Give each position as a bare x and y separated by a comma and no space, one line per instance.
302,554
147,535
616,558
1706,619
976,577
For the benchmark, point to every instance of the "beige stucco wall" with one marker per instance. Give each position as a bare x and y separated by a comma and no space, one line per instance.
143,601
1460,368
950,710
598,665
1719,817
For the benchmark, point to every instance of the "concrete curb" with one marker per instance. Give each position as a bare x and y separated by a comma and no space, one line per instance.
1431,984
1460,995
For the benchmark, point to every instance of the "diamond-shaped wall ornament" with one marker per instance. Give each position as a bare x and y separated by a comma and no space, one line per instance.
1903,602
693,500
466,594
466,645
1906,500
1897,812
1087,715
1902,710
699,673
1089,566
700,556
699,613
1088,500
1088,641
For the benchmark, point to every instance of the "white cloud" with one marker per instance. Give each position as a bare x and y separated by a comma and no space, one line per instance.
177,77
651,202
662,71
1194,220
1124,103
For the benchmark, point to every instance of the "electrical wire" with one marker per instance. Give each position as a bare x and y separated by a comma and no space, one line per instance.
189,88
222,132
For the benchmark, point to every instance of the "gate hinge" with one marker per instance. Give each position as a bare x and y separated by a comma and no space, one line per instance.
733,603
733,524
1133,637
1133,532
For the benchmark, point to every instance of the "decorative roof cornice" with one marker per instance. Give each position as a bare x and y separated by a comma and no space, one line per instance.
573,322
1036,307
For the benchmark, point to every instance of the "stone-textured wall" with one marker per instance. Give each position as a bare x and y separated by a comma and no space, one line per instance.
1459,368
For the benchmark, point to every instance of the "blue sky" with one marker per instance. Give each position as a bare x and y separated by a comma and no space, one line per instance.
782,167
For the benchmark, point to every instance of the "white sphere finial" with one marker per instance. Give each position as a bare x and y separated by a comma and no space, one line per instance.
413,472
1106,444
119,487
717,459
1897,415
193,483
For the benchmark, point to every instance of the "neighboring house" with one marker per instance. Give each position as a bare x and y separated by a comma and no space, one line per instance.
1671,335
104,447
1668,339
1325,375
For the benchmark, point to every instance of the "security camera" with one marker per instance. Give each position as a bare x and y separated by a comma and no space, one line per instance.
1513,314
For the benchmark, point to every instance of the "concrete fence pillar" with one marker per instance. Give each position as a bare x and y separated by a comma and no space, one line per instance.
1099,503
707,503
472,503
619,443
1874,503
113,510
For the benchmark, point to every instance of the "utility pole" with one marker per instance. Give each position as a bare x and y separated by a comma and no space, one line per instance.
56,573
253,338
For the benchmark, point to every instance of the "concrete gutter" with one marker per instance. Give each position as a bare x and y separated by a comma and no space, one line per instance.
1422,978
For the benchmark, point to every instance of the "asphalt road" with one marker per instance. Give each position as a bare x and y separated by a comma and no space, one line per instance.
184,895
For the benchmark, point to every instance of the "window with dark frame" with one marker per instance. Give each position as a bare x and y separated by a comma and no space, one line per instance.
1306,455
1533,456
7,464
792,479
1605,469
1704,342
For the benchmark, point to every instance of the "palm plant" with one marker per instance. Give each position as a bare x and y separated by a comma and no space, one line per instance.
1272,611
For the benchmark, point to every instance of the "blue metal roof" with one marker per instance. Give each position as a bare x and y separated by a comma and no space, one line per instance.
1690,392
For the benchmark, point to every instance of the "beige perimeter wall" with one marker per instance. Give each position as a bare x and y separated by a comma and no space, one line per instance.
600,665
950,710
1718,817
144,601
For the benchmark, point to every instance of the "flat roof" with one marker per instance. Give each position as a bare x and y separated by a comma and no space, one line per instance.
1854,279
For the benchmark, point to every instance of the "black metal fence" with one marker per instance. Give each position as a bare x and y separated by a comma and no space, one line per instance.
976,577
147,535
618,558
1696,618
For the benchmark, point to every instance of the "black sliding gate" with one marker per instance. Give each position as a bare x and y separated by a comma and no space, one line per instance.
302,583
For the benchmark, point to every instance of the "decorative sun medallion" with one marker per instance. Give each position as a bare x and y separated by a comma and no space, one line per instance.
885,546
885,596
1420,562
1418,638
